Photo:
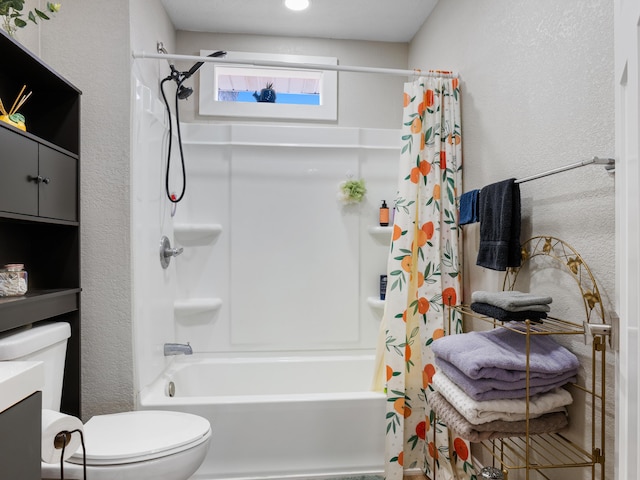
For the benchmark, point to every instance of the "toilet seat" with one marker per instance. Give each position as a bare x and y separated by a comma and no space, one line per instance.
138,436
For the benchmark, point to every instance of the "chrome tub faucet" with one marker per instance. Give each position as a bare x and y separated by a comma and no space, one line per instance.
177,349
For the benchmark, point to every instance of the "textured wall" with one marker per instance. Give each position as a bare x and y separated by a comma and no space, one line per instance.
537,94
88,44
537,83
150,25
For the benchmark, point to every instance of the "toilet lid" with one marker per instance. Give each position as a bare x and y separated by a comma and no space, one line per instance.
138,436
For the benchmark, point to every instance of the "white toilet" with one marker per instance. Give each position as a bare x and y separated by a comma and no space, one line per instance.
141,445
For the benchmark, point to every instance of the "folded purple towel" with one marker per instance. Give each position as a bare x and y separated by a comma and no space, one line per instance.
496,353
493,389
506,316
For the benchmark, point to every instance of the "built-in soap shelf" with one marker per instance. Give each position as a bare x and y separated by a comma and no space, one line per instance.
375,302
380,231
196,305
196,232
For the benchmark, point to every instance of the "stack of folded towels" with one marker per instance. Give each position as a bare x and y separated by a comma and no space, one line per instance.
511,305
480,383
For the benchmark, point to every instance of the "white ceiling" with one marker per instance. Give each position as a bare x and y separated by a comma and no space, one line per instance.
375,20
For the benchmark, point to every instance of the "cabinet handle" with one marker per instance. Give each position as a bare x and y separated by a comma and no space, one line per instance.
39,179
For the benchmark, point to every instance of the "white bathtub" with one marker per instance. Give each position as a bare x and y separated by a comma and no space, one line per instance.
279,416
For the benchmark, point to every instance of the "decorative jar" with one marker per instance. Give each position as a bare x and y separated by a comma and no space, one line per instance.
13,280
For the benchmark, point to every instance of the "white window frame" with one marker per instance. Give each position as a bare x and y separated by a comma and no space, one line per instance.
211,106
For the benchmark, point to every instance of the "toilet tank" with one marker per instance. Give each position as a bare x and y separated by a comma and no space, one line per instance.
45,342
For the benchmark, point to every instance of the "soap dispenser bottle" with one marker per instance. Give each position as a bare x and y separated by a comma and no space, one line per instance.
384,214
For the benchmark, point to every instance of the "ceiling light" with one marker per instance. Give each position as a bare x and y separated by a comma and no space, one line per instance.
296,4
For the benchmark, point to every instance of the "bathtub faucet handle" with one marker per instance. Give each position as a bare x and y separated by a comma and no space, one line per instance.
166,252
173,252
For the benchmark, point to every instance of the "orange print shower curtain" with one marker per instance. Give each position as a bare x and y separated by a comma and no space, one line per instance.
424,276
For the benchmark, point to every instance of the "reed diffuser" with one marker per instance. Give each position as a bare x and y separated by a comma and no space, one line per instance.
13,117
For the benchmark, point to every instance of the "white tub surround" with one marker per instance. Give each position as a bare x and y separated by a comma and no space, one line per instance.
272,260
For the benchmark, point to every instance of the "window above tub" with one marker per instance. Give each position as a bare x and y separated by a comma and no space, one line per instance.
236,90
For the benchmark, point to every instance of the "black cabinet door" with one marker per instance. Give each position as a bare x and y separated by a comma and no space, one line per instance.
18,170
58,192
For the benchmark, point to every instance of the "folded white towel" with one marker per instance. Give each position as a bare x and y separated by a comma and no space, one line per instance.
513,301
483,411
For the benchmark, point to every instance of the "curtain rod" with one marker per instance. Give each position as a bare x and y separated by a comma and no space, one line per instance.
609,164
300,66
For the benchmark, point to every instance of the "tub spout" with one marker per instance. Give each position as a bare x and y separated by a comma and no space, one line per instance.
177,349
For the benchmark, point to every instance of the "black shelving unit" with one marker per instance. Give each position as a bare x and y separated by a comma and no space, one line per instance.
40,201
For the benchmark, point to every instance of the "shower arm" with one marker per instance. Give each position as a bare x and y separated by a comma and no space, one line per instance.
178,76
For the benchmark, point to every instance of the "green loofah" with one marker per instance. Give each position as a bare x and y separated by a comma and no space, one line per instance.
353,191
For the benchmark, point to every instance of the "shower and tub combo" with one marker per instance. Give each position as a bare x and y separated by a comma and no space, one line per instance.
275,293
299,415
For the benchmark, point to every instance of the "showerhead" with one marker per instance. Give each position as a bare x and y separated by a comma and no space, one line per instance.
184,92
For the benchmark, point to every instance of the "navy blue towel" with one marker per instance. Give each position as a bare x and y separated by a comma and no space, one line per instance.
504,315
499,211
469,207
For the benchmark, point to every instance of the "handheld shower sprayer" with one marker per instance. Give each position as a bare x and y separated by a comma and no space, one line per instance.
197,65
182,93
179,77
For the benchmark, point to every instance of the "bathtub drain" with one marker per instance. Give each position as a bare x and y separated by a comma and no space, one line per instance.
171,389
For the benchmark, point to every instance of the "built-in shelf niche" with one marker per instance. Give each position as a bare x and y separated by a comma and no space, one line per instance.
196,305
197,232
375,302
382,234
380,231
